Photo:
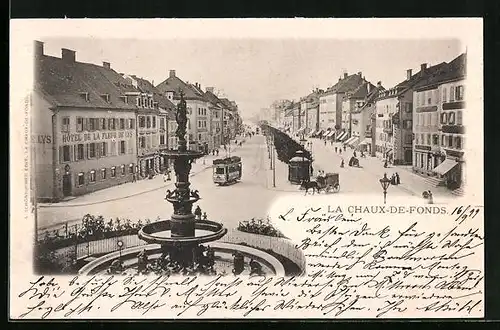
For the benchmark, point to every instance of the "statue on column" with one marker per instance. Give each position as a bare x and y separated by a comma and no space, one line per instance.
181,118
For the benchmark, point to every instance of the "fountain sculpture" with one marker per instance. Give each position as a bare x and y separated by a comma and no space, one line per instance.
180,238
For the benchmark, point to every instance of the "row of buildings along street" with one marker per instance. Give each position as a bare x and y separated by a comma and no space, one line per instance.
93,127
417,123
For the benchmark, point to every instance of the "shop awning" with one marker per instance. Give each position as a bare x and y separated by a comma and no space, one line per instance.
389,151
330,134
366,141
354,141
445,166
341,135
349,140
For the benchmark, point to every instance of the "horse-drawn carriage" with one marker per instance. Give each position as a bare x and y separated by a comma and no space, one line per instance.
227,170
329,182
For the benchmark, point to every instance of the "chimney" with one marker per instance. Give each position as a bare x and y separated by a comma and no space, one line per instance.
379,83
345,75
68,55
423,66
210,89
408,74
368,88
38,48
360,74
172,73
107,65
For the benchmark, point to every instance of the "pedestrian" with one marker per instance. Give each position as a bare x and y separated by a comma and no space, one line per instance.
398,179
385,163
344,147
165,176
336,149
354,153
134,177
217,152
340,151
325,142
342,163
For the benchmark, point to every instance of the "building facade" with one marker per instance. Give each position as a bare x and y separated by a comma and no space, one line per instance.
439,129
83,127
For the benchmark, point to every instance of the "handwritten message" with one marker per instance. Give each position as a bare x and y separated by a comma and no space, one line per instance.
362,261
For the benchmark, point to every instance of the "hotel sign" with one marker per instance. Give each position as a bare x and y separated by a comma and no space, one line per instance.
96,136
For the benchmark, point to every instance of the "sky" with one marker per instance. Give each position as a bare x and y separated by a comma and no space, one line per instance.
256,72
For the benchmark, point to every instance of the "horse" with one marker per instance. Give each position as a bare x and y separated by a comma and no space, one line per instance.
309,185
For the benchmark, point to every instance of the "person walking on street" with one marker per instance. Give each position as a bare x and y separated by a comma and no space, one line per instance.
325,142
354,153
344,147
398,180
336,149
342,163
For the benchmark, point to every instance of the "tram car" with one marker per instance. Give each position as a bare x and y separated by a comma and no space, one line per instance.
227,170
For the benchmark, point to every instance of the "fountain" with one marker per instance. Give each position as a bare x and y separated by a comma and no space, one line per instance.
180,239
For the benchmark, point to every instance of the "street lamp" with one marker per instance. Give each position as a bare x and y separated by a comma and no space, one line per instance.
384,182
120,246
274,164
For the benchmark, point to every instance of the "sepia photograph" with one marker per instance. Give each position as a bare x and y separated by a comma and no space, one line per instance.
164,157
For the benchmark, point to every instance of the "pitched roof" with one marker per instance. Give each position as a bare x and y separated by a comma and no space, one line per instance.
212,98
65,83
456,69
147,87
414,81
360,92
346,84
174,84
370,98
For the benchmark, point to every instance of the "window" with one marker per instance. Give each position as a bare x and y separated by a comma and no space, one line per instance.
428,139
80,152
408,139
443,140
113,172
142,142
122,147
154,121
122,123
131,123
452,94
407,124
65,125
131,169
429,97
103,174
417,138
102,123
151,103
148,122
103,148
92,124
445,97
199,137
122,170
162,139
162,123
113,148
458,142
79,124
142,122
450,141
92,176
81,179
111,124
91,150
444,118
138,102
459,117
435,140
459,93
66,154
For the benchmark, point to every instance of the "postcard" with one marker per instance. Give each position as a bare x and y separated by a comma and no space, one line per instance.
246,168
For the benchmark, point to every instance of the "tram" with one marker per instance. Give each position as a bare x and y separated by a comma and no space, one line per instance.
227,170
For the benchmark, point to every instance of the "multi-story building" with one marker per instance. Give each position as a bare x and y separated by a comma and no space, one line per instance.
310,107
351,101
216,108
438,125
288,119
330,103
361,123
83,126
197,108
152,131
394,108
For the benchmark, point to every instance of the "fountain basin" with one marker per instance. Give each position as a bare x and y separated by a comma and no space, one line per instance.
159,233
224,251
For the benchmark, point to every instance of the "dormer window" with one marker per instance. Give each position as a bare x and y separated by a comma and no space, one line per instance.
151,103
138,102
155,105
124,99
85,96
145,102
105,97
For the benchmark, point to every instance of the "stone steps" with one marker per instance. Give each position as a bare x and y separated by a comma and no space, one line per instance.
458,191
434,182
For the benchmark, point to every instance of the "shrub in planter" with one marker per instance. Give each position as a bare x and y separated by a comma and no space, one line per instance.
259,227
